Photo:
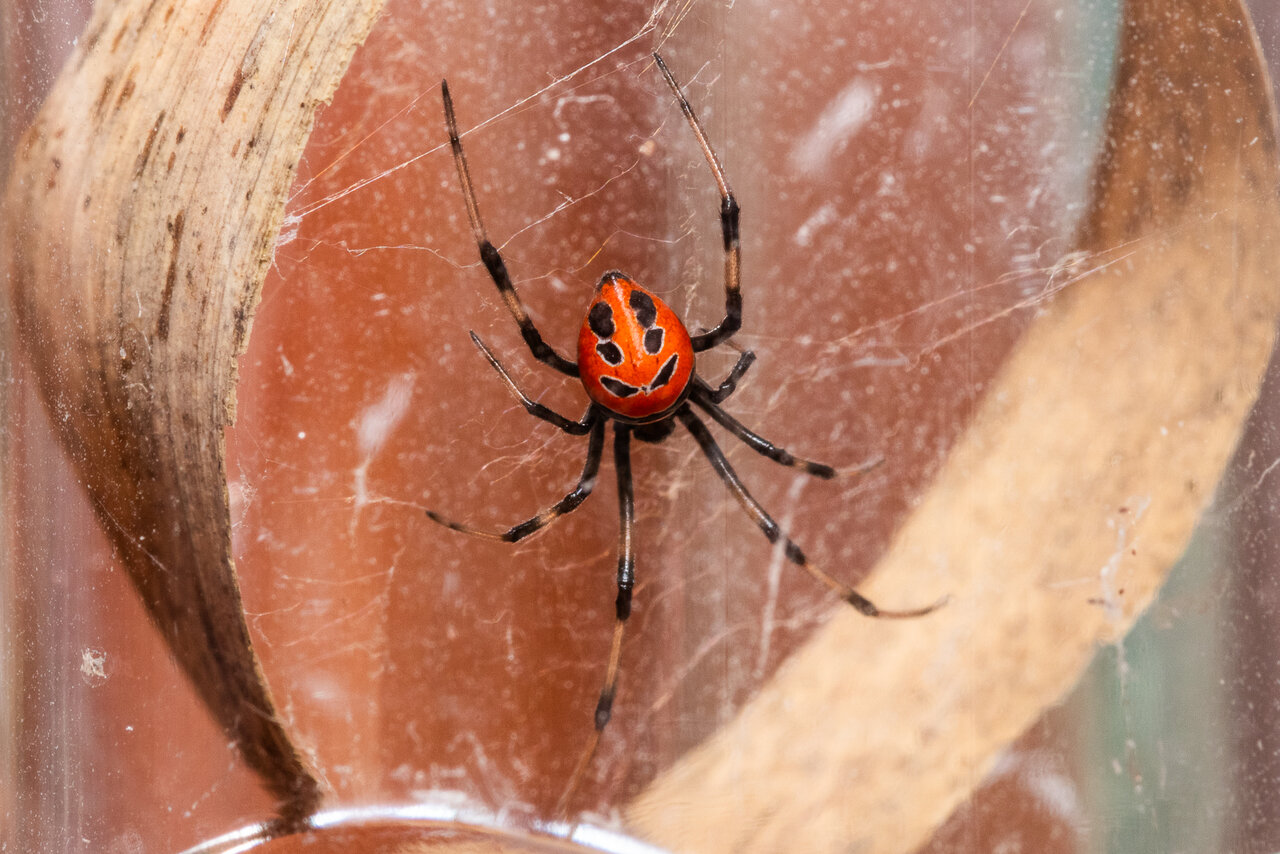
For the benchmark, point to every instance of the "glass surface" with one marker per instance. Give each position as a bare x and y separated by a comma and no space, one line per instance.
911,179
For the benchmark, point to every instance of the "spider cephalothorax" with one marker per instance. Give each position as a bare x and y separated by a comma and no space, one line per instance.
636,362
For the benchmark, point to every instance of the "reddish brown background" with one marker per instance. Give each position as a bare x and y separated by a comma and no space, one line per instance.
884,277
473,665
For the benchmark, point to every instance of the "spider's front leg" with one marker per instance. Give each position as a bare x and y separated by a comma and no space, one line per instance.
490,255
622,606
728,225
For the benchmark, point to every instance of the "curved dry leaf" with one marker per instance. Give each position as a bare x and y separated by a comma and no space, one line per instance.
143,210
1106,399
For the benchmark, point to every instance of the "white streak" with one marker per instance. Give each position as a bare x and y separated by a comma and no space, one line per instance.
847,114
376,424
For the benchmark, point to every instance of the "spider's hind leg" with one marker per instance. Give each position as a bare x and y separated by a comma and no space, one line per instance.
622,607
774,533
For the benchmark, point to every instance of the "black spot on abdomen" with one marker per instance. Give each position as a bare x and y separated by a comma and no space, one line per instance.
610,352
642,305
653,340
664,375
600,319
617,387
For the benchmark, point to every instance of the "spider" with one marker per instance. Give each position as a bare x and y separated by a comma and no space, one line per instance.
636,362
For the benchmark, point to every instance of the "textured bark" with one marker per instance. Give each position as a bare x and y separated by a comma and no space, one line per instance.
142,212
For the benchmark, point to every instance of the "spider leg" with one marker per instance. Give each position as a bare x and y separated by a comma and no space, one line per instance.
728,225
705,398
565,505
576,428
626,580
771,530
730,383
492,258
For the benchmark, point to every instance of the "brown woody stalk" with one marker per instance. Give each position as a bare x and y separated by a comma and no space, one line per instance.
142,213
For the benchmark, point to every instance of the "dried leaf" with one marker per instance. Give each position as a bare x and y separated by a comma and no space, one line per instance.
142,213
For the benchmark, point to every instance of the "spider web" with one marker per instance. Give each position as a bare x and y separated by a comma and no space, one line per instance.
906,209
911,177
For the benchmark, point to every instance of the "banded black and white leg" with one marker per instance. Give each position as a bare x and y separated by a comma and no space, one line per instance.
622,606
728,225
730,383
705,397
709,398
492,258
567,504
592,422
575,428
774,533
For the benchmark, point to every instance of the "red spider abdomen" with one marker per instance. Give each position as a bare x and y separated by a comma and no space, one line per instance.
634,354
